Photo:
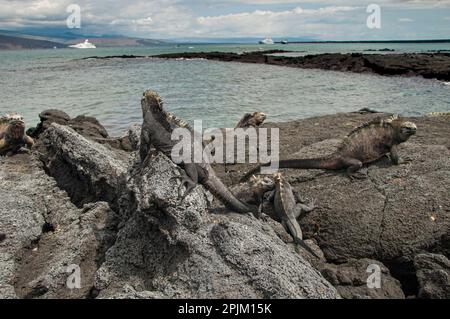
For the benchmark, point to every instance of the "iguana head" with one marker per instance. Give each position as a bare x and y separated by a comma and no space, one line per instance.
403,130
16,129
152,102
258,118
278,178
265,183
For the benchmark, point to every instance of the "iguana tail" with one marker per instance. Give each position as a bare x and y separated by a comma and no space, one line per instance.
311,163
223,193
302,244
296,232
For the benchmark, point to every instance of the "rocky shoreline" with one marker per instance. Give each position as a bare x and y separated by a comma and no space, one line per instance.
79,198
427,65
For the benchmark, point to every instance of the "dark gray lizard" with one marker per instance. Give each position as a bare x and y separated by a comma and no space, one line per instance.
365,144
13,136
288,210
157,129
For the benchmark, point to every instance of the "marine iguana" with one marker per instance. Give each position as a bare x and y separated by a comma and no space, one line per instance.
254,190
365,144
12,135
288,210
156,131
438,114
254,119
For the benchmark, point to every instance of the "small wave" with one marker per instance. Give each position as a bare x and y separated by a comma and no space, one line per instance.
189,59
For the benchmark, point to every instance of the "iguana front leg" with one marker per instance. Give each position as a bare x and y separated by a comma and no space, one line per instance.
302,204
298,197
29,141
189,179
5,148
395,158
191,176
2,144
394,155
304,208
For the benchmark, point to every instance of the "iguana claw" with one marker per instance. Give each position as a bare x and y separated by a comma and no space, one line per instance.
185,181
404,161
362,174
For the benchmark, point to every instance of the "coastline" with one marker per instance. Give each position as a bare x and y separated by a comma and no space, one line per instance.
430,66
427,65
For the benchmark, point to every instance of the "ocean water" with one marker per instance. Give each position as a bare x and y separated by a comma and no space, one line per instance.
218,93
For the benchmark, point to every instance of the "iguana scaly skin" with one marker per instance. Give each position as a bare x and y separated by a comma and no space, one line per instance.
365,144
12,135
254,190
156,131
288,210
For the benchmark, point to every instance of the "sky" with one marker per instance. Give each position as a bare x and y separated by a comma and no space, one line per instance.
180,19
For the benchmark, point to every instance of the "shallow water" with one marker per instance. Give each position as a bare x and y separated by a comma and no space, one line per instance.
216,92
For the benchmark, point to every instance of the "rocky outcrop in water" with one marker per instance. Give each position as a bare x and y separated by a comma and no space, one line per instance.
436,65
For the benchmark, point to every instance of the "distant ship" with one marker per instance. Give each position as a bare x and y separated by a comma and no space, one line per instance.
85,45
266,41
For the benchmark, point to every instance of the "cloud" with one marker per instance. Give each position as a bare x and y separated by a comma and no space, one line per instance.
323,19
390,3
294,22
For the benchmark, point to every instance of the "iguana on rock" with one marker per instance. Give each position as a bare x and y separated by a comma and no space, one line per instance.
254,190
288,210
254,119
438,114
12,135
365,144
156,131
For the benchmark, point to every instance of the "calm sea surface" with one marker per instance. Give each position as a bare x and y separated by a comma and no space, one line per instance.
219,93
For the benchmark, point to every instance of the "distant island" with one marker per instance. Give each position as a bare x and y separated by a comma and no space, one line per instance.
379,41
16,41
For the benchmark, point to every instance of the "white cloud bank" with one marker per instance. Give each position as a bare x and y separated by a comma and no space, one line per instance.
323,19
294,22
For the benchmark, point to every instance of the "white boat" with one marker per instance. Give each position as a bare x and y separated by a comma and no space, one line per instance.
266,41
284,41
85,45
